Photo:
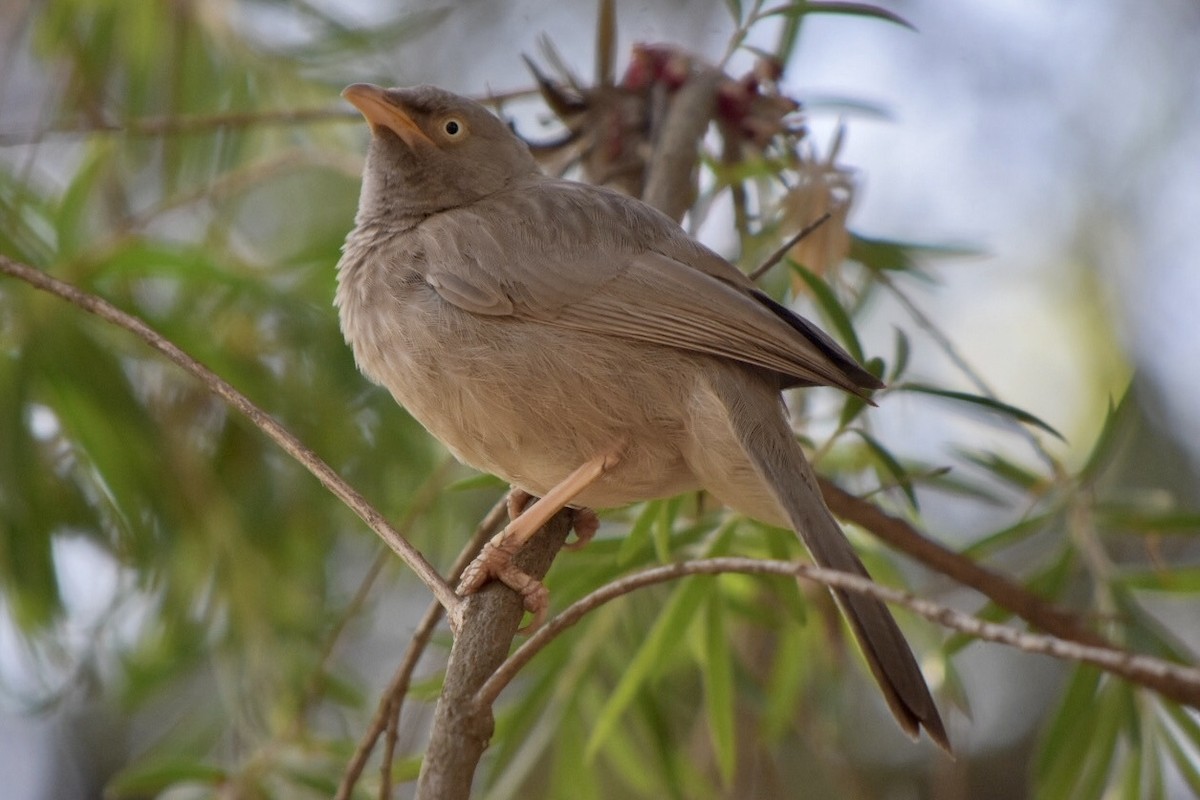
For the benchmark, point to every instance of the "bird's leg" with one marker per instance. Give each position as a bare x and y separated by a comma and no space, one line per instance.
495,559
518,501
586,523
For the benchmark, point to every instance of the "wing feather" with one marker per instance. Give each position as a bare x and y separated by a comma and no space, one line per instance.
596,261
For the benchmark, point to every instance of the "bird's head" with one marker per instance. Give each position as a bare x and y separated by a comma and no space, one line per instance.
432,150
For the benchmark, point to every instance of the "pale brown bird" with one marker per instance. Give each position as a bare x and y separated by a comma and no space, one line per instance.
580,345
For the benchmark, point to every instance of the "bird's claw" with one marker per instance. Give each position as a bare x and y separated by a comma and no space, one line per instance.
495,560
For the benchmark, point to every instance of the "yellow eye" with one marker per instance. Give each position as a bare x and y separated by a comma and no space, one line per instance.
454,128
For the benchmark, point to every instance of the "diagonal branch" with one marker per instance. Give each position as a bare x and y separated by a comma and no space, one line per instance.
261,419
462,727
999,589
1178,682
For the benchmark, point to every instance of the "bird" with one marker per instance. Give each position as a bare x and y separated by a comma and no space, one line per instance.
580,345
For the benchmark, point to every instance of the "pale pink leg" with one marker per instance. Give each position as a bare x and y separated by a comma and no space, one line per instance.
495,559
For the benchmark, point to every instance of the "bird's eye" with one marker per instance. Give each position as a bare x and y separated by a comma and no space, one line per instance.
453,128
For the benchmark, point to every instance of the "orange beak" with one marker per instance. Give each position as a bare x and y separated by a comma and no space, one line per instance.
382,111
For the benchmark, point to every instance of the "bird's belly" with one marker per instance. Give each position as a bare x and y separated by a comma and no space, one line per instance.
530,403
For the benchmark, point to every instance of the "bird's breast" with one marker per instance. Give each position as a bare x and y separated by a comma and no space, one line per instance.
521,399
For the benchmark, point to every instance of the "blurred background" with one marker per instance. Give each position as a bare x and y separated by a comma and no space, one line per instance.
185,612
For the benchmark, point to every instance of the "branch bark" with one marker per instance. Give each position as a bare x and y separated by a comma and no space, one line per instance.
387,714
462,726
670,180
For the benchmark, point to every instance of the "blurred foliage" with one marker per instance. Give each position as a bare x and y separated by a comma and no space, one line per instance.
236,573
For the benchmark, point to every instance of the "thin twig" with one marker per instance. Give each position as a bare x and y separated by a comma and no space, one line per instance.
778,255
177,125
172,125
1177,681
261,419
393,696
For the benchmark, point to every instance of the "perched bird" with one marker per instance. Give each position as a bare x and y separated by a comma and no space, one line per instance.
581,346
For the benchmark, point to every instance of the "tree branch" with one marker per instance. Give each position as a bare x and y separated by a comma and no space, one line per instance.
261,419
461,725
1002,591
1178,682
387,714
670,180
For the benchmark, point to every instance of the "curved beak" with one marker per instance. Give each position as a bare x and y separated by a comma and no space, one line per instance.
381,110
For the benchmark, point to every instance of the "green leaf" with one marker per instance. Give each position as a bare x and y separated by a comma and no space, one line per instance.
851,408
1176,579
717,669
72,222
799,9
155,776
669,628
1102,745
1180,726
474,482
893,467
885,254
789,595
900,362
1131,776
982,402
1007,471
784,682
1007,537
1148,522
1115,423
1066,740
639,533
831,307
664,526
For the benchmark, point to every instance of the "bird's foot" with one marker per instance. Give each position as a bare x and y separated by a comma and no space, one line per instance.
495,560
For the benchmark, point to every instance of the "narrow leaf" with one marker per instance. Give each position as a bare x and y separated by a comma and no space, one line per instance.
884,254
154,777
1185,580
831,307
900,363
893,466
639,533
668,629
718,688
1114,423
1134,520
1007,471
664,526
799,9
982,402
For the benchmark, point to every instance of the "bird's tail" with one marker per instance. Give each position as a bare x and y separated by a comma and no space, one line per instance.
767,439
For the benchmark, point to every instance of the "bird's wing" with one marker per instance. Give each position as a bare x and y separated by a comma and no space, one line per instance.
595,261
